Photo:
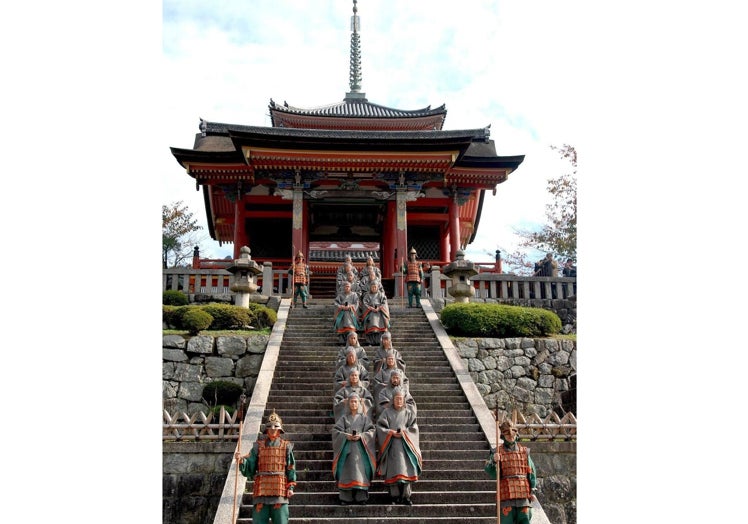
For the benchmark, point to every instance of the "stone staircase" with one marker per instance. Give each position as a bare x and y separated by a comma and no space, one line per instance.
452,488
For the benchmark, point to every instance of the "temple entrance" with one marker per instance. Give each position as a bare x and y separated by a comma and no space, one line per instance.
269,237
335,223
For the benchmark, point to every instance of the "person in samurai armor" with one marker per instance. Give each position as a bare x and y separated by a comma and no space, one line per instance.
517,476
271,463
413,272
300,271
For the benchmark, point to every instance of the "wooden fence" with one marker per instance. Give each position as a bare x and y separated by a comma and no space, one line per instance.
220,426
550,429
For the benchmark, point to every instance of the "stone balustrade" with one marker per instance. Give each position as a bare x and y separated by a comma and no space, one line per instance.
488,284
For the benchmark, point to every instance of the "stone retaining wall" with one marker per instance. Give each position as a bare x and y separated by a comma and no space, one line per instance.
556,465
193,477
523,373
189,364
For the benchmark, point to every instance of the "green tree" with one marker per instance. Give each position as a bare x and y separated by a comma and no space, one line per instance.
559,235
177,230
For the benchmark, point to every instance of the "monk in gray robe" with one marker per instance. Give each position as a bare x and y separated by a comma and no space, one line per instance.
382,377
352,343
385,345
354,387
354,453
340,378
375,314
399,462
368,274
346,313
386,394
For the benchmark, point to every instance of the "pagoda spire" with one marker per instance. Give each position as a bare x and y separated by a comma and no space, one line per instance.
355,68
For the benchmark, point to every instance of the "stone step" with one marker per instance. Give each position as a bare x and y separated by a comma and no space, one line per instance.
429,464
326,453
355,513
304,475
283,404
299,424
452,487
379,495
446,485
383,519
434,438
298,377
323,417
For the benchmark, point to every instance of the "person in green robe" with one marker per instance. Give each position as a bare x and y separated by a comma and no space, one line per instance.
272,466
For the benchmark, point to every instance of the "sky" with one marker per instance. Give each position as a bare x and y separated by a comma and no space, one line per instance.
651,93
487,61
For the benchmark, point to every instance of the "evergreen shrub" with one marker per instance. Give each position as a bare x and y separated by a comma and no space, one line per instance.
264,316
194,320
226,316
174,297
222,393
167,315
499,321
174,315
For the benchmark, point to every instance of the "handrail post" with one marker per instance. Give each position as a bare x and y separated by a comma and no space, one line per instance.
267,278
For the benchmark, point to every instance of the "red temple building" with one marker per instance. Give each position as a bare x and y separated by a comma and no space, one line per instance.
350,178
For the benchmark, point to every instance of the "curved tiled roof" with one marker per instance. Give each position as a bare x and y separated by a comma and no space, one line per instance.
358,108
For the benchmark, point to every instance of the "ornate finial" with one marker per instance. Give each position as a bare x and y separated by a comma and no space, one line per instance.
355,67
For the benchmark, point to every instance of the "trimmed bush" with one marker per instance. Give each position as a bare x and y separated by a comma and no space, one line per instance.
174,315
226,316
174,297
168,316
195,320
499,321
264,316
222,393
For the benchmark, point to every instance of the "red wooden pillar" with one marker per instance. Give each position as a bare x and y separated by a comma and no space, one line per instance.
305,229
445,244
454,227
297,231
240,230
401,237
389,240
401,233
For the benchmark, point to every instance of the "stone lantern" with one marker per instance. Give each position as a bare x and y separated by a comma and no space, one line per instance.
460,271
243,283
